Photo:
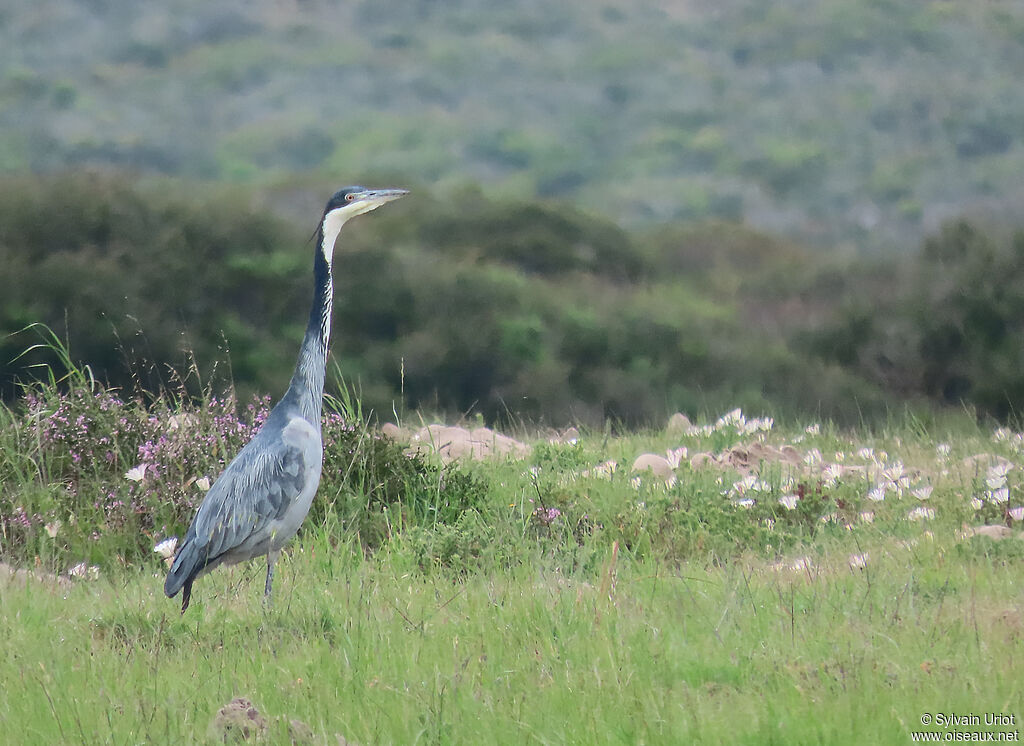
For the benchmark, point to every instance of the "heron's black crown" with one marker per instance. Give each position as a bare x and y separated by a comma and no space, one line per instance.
340,197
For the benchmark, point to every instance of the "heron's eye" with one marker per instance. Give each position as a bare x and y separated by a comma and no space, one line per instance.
350,196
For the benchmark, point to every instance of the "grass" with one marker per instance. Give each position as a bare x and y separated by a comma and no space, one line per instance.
362,648
764,598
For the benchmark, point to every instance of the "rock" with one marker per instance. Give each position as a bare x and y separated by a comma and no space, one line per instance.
10,575
452,443
678,424
659,465
993,532
237,721
739,458
980,462
702,459
299,733
498,444
439,436
393,431
570,435
792,455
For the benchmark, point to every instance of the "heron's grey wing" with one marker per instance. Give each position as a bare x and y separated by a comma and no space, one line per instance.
254,490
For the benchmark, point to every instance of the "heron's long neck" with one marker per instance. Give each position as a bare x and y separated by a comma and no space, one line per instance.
306,390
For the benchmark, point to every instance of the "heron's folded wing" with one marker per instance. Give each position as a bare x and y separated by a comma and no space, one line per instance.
255,489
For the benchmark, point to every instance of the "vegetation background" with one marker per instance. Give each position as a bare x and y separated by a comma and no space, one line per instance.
620,210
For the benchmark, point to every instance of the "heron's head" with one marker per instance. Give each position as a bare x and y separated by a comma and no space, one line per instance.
355,200
346,203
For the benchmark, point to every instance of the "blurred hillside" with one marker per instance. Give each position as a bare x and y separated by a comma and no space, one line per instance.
867,122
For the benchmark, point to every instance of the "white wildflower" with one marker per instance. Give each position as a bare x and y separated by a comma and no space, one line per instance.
674,456
995,477
745,503
136,473
52,529
1001,495
1017,513
894,472
744,484
831,474
167,547
924,492
746,428
730,418
203,483
750,483
995,482
813,457
604,470
1001,434
814,429
1000,468
868,454
943,449
976,503
788,501
830,518
867,517
858,561
877,494
637,482
84,572
801,564
921,512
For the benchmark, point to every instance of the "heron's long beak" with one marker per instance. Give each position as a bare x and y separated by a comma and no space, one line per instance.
374,198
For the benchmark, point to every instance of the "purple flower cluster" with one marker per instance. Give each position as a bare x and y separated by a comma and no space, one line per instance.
125,461
546,516
191,444
16,525
83,427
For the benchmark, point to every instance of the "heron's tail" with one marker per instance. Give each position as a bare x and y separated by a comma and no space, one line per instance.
187,565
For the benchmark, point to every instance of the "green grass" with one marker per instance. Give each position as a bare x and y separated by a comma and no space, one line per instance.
532,601
362,648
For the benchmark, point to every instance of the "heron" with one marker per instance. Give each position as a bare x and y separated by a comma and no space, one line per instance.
262,497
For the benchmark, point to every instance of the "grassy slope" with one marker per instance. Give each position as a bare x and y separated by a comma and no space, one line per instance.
699,631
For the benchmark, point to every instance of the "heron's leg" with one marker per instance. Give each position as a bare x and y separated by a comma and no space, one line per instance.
186,596
271,558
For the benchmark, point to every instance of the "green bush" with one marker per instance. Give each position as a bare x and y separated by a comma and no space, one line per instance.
946,325
452,303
